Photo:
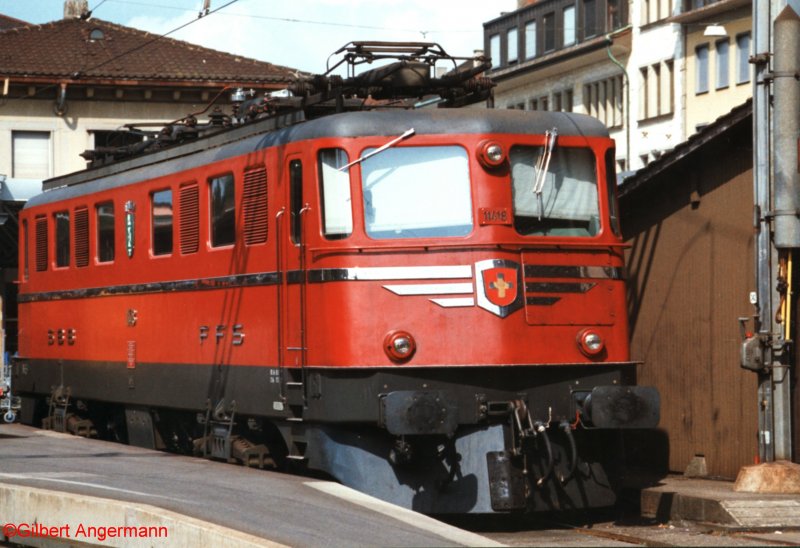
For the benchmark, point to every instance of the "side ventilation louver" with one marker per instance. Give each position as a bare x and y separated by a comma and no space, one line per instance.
255,206
190,219
41,244
82,237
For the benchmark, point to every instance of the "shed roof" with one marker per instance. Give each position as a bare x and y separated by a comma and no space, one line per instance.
93,49
709,133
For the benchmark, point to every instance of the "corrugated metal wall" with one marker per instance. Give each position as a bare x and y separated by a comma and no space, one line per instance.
690,269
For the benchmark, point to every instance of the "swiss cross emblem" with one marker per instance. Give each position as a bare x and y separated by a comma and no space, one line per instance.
499,286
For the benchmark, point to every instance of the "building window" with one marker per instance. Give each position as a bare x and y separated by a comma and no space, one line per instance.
511,46
105,232
657,97
533,104
604,100
530,40
701,69
161,208
544,103
589,18
697,4
614,15
562,101
62,238
668,88
30,154
569,25
655,10
644,95
743,58
549,24
223,211
723,63
494,50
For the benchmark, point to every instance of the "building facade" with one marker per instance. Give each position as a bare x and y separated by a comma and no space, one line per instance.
633,65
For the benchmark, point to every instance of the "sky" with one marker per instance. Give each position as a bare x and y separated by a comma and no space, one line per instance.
299,34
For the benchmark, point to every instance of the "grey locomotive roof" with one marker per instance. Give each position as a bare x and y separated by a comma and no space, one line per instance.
442,121
248,138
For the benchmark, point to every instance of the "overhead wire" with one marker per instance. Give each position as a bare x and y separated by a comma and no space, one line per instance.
296,20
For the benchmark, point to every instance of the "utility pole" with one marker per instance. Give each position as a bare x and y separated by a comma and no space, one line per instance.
776,188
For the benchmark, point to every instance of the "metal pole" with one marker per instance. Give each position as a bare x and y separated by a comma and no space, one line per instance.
763,256
786,192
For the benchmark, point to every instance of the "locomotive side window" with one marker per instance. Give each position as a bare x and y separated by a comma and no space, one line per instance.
41,244
62,238
105,232
81,237
161,203
254,203
190,218
223,211
555,196
417,192
337,214
296,198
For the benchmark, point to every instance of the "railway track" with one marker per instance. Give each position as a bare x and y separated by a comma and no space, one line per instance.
631,531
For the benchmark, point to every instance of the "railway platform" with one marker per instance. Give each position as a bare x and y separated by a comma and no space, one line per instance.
715,503
56,489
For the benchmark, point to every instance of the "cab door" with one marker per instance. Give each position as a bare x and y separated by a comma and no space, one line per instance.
293,279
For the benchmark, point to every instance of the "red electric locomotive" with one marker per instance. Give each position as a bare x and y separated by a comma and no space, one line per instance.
427,304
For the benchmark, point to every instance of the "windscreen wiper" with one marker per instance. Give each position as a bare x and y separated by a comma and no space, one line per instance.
542,165
390,144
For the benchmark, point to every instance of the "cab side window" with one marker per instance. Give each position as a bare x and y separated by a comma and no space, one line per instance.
62,238
334,191
105,232
223,210
161,218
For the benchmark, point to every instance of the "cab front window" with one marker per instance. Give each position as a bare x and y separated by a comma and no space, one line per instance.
417,192
555,195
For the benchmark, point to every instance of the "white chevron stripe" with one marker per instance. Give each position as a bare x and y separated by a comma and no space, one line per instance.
455,302
430,289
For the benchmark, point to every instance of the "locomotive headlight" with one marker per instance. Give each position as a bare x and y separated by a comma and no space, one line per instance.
491,154
399,346
590,342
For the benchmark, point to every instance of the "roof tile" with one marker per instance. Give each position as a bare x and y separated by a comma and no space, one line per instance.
63,49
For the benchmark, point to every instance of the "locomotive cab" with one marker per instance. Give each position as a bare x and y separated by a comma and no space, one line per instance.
484,308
